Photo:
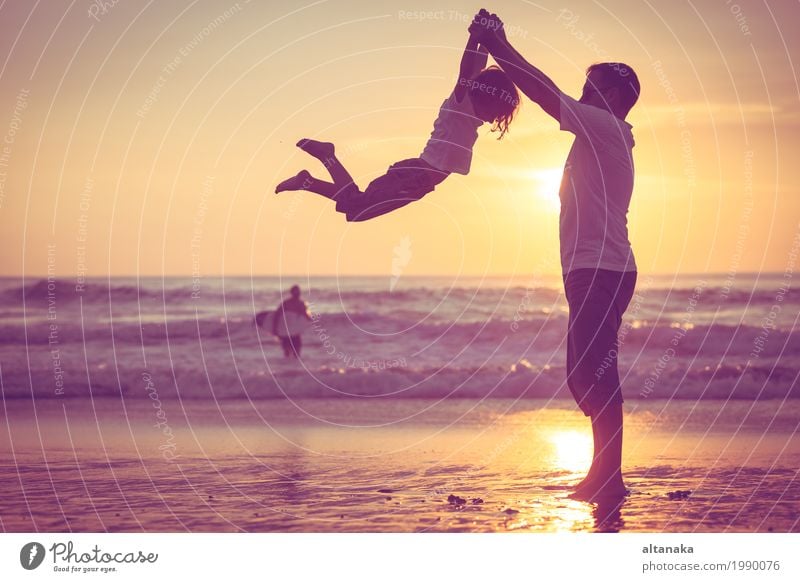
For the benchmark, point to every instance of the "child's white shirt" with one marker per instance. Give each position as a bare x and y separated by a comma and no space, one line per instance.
454,134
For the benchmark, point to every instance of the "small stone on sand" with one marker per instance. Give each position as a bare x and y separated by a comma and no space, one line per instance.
679,495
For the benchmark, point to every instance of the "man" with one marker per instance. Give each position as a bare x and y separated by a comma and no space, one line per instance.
597,261
288,322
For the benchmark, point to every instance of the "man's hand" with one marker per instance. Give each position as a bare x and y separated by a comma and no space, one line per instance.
538,87
486,26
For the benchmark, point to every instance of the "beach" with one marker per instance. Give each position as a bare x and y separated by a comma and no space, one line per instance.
386,269
425,404
390,465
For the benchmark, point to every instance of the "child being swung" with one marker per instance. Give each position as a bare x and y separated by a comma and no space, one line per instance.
481,95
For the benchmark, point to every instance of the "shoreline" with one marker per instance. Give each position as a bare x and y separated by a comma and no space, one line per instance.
314,465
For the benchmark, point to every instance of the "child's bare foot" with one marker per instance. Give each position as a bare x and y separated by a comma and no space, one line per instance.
322,150
298,182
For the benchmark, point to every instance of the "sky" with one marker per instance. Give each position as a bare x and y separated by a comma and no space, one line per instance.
146,138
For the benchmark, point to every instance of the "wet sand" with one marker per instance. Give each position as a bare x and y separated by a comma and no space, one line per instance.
377,465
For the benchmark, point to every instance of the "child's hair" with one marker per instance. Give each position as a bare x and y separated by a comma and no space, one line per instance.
497,95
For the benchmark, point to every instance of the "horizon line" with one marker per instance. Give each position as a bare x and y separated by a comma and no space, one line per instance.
365,275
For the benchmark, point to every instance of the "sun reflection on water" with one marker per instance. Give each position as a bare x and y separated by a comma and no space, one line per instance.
574,516
572,450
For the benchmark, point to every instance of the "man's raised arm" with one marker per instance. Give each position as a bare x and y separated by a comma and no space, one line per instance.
531,81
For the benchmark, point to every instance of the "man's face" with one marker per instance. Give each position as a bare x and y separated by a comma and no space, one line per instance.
597,92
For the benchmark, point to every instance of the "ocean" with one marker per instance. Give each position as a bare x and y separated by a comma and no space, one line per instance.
688,337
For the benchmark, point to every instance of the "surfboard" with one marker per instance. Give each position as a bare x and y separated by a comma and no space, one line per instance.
261,317
291,323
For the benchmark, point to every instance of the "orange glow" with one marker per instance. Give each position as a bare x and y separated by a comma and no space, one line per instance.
572,449
548,183
158,136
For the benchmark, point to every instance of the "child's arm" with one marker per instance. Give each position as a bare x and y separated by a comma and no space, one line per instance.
473,62
530,80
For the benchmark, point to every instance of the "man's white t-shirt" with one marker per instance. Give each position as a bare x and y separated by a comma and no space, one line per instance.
454,134
596,190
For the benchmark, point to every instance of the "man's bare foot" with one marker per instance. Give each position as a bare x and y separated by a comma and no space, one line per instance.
597,489
298,182
588,480
322,150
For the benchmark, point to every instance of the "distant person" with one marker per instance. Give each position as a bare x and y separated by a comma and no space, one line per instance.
481,95
597,261
288,322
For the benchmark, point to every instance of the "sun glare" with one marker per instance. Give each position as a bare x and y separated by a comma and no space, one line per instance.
548,183
573,450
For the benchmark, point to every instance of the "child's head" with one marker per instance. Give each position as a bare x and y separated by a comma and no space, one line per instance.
494,98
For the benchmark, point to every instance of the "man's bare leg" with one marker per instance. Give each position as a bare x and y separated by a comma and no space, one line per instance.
609,423
590,476
607,480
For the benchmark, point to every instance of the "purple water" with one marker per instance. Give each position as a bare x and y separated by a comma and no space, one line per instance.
687,337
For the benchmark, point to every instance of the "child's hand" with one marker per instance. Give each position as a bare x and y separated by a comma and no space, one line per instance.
477,27
486,25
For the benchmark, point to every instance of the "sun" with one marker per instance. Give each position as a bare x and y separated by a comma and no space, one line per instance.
548,183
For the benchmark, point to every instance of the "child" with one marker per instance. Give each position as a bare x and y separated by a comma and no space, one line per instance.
481,95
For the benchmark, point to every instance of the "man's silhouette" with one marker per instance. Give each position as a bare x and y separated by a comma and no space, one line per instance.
597,261
288,322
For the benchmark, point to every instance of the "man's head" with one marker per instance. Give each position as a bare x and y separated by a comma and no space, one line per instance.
611,86
494,98
295,291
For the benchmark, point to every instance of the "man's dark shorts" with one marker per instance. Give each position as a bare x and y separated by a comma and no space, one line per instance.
597,299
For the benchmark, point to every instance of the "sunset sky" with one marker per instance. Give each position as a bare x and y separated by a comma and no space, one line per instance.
147,137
